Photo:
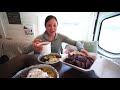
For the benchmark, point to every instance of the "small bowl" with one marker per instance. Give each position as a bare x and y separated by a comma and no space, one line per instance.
50,59
46,68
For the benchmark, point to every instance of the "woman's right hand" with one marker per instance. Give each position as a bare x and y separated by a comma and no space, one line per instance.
36,45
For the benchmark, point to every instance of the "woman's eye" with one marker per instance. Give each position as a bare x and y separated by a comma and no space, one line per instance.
54,25
49,25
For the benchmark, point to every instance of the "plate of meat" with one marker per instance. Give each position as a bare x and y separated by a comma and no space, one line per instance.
79,61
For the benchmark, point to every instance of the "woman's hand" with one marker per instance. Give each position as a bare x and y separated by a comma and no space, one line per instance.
36,45
85,52
67,51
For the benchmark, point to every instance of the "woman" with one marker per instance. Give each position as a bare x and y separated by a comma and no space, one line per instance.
56,39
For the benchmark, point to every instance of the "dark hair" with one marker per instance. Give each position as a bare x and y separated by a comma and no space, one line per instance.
50,17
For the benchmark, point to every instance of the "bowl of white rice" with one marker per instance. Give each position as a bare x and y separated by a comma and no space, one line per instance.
37,71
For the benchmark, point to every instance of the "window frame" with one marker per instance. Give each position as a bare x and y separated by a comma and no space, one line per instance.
102,50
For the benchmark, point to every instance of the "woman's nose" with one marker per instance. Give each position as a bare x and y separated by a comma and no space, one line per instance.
52,28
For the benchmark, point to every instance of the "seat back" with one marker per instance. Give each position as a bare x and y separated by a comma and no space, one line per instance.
90,46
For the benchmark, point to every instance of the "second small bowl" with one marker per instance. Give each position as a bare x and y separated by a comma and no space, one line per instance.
51,59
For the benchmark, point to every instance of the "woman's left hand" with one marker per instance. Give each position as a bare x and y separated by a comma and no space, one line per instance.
85,52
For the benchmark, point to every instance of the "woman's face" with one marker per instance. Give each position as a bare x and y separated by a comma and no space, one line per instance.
51,26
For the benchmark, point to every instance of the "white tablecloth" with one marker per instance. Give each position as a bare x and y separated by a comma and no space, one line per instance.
106,68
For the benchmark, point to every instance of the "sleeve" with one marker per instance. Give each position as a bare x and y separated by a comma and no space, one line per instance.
68,40
79,45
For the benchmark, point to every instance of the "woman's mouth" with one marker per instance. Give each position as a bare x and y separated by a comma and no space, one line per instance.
51,31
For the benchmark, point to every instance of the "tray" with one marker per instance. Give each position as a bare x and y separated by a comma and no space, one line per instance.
64,56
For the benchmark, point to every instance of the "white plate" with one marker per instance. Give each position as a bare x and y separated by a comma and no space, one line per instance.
76,67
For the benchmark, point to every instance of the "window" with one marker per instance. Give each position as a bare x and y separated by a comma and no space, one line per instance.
76,25
110,34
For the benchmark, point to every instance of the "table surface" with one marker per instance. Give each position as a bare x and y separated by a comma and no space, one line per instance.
11,67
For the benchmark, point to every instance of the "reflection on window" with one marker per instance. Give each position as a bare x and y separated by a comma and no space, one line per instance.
110,35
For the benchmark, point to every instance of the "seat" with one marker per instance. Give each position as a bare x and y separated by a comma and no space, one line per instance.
90,46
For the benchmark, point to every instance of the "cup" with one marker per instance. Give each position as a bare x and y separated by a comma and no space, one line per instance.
46,48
